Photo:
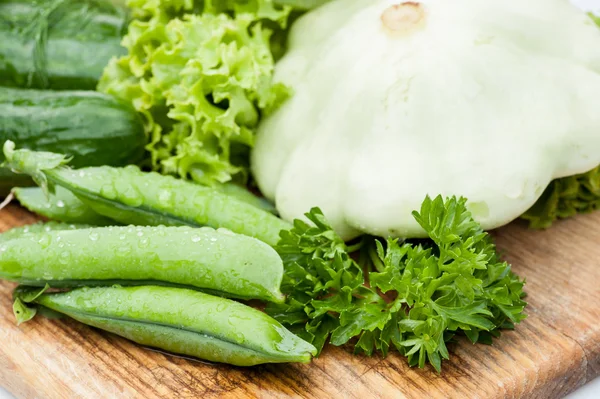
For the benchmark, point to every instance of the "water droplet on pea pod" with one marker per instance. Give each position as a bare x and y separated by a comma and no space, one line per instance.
130,196
94,236
64,258
165,197
108,191
123,251
196,238
44,241
131,169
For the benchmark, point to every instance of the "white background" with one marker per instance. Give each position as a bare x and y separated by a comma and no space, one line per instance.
589,391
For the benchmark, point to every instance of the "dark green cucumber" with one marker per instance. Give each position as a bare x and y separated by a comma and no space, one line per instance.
58,44
94,128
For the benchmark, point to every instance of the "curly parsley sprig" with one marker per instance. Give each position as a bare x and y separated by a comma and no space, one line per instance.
418,297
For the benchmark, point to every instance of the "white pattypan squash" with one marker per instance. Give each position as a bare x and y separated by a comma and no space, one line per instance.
393,101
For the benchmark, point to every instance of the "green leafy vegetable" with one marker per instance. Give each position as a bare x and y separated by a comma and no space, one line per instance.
202,81
165,10
564,198
302,4
421,295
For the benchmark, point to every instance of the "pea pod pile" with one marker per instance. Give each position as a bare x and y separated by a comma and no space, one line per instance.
143,281
164,282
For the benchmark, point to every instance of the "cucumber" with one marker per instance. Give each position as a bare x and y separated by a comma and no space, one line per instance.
94,128
58,44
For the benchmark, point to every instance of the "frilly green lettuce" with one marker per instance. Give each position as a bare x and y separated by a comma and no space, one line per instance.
200,73
165,10
564,198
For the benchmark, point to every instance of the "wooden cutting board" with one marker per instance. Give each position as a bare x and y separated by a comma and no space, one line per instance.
554,351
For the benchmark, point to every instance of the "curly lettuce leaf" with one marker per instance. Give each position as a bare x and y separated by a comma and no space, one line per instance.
419,297
166,10
565,198
201,81
302,4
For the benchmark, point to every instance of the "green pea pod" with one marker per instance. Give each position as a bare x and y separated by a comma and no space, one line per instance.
62,206
34,229
131,196
217,261
241,193
177,320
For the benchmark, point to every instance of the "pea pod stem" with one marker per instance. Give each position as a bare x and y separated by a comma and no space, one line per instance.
218,261
182,321
7,200
131,196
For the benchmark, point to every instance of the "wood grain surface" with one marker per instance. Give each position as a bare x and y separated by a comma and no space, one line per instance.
554,351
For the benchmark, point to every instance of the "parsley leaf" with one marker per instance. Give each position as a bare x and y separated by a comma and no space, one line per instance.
418,297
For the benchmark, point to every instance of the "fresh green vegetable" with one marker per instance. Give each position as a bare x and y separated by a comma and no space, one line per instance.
375,122
201,81
566,197
213,260
301,4
37,228
243,194
94,128
130,196
454,284
177,320
58,44
62,206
